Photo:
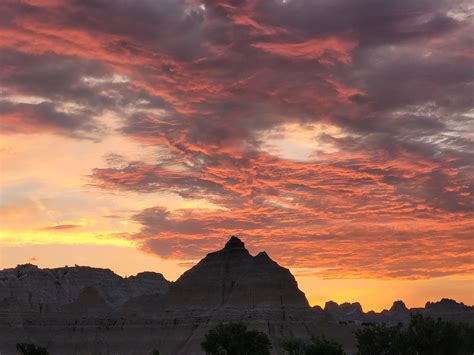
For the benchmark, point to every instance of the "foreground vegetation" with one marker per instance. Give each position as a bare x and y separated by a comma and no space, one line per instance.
422,336
31,349
317,346
235,338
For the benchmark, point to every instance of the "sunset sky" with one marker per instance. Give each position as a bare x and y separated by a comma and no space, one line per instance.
337,135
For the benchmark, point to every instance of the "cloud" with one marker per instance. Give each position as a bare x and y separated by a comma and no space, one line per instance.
367,219
61,227
325,50
43,117
207,85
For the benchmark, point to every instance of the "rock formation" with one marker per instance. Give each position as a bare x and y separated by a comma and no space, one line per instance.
450,309
96,311
229,285
37,288
345,311
84,310
231,277
352,312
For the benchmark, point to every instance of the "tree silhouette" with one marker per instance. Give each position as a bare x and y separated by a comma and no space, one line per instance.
31,349
293,346
235,339
323,346
425,335
378,339
317,346
422,336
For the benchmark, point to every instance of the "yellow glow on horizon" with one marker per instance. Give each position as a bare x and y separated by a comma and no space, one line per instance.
46,189
123,260
379,294
52,237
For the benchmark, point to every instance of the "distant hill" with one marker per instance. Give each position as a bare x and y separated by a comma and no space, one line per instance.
352,312
36,288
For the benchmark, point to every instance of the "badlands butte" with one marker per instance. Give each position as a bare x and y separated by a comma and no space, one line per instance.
84,310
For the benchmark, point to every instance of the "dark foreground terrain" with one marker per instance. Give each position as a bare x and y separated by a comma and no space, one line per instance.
83,310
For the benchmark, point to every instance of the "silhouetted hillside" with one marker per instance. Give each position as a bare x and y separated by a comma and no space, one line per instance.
89,310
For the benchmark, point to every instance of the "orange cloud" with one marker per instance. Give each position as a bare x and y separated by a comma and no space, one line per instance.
325,50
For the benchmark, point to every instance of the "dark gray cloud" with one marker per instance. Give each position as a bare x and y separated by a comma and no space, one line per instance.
46,117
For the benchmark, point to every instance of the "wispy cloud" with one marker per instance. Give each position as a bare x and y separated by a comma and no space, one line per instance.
61,227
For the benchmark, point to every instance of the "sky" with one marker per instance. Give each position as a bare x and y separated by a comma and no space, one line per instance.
336,135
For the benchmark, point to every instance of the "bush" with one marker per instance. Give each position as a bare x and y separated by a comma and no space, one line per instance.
378,339
425,335
317,346
293,346
235,339
31,349
323,346
422,336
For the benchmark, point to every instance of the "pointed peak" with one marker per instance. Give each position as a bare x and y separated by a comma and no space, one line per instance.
234,243
398,306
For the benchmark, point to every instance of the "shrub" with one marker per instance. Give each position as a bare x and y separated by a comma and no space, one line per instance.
422,336
317,346
31,349
293,346
378,339
425,335
323,346
235,339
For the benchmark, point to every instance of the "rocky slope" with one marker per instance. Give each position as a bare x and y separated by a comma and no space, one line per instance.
231,277
37,288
